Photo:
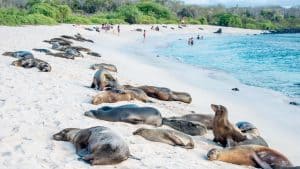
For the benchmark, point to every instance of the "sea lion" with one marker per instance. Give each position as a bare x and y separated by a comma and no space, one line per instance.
192,128
113,96
97,145
252,133
95,54
41,50
19,54
223,130
127,113
109,67
219,30
247,127
250,155
166,94
171,137
77,37
62,55
206,119
138,93
60,41
32,62
104,80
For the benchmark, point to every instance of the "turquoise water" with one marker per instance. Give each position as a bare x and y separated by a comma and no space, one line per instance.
269,61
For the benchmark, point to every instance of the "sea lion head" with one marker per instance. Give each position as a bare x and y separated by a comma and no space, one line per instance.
139,131
65,135
213,154
219,109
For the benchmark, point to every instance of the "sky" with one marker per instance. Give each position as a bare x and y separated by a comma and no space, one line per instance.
284,3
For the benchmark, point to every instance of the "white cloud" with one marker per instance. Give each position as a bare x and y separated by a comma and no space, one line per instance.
245,2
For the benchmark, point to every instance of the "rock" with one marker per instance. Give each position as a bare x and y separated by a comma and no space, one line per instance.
235,89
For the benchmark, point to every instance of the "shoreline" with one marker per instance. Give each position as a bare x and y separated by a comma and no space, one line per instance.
48,102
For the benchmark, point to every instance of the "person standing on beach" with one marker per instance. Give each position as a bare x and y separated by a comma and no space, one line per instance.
192,41
118,30
144,34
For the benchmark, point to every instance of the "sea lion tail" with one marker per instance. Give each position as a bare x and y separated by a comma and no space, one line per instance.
134,157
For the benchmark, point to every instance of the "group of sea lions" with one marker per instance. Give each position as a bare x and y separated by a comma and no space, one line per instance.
242,142
27,60
103,80
65,48
99,145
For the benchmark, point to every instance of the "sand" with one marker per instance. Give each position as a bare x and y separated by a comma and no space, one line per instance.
34,105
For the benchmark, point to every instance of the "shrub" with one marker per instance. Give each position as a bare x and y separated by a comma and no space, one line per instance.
64,12
129,13
154,9
39,19
202,20
250,26
45,9
77,19
145,19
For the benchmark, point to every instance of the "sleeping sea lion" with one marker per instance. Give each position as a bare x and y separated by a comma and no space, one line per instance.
113,96
19,54
192,128
62,55
251,155
223,130
109,67
95,54
127,113
97,145
205,119
166,94
32,62
171,137
41,50
104,80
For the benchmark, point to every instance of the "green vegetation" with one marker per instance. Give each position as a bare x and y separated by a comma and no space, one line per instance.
49,12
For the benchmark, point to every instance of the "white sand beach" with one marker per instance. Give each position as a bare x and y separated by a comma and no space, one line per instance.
34,105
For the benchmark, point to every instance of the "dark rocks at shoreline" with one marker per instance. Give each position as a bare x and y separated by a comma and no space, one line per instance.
283,31
294,103
235,89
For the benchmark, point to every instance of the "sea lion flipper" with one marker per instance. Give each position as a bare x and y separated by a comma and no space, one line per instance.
81,139
174,139
261,163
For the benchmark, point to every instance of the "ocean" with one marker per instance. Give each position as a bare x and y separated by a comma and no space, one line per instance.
269,61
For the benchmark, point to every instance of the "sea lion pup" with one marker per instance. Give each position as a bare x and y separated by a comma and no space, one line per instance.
223,130
171,137
192,128
166,94
127,113
32,62
97,145
109,67
104,80
19,54
205,119
250,155
113,96
95,54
